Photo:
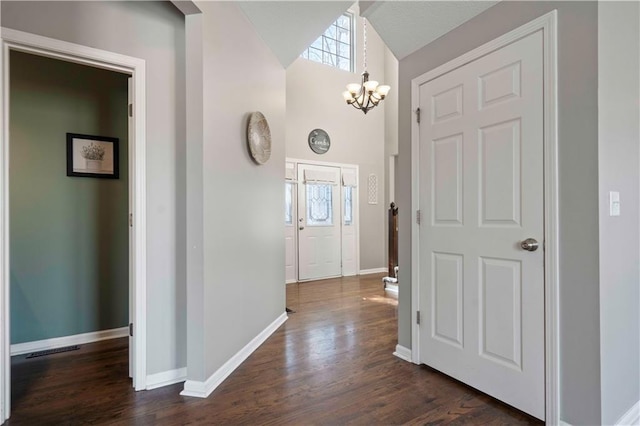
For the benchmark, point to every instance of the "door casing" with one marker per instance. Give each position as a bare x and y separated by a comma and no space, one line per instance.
295,162
548,25
135,67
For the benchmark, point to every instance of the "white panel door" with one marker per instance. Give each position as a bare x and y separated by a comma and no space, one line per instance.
319,250
481,195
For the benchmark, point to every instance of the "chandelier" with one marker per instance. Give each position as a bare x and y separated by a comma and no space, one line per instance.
368,94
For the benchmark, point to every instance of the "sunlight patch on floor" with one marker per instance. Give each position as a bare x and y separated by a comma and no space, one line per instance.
382,299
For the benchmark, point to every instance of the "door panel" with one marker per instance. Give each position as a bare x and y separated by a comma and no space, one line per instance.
481,194
500,325
447,298
446,166
500,174
319,254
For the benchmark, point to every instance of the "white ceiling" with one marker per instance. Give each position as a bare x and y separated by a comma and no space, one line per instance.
289,27
406,26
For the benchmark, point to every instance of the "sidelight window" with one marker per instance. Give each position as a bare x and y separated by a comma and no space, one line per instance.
348,205
288,203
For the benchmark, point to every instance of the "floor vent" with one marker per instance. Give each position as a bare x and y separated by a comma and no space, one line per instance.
53,351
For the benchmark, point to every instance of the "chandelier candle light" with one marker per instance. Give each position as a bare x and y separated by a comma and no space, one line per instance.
367,95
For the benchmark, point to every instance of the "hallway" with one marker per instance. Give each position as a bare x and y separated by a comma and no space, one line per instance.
330,363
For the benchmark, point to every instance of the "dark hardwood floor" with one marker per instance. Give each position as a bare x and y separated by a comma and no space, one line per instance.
331,363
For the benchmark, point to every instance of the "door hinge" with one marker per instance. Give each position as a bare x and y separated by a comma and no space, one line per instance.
418,317
418,115
131,329
418,217
130,110
131,220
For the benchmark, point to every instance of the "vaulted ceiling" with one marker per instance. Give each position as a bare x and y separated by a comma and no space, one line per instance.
289,27
406,26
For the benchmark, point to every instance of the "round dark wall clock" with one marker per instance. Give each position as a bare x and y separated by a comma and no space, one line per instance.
319,141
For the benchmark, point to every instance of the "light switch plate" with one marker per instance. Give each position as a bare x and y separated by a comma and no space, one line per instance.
614,203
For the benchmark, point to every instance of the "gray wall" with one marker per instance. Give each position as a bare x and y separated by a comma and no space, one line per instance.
69,235
618,168
153,31
578,180
244,287
314,100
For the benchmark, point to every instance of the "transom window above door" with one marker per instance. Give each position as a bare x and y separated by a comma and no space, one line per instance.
335,46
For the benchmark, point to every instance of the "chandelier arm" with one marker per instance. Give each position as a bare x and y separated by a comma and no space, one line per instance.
355,102
370,102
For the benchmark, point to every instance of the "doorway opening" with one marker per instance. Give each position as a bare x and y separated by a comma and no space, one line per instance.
321,220
69,203
107,215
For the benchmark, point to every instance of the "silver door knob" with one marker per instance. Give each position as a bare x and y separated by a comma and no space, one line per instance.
530,244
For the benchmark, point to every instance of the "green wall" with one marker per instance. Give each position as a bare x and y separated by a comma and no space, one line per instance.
69,235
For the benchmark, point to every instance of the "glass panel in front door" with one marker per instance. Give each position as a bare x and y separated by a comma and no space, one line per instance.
319,204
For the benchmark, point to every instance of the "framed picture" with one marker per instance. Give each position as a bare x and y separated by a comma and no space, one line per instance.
92,156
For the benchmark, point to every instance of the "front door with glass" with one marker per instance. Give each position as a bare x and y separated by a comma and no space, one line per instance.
319,253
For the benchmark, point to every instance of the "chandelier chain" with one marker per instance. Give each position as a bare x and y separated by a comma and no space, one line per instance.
364,39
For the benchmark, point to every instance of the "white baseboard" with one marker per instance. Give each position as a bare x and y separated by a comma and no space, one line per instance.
403,353
166,378
204,389
631,417
291,281
372,271
60,342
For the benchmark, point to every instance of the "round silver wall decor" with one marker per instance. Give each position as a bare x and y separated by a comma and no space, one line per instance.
259,138
319,141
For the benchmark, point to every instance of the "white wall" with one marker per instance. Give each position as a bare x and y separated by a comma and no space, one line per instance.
314,100
619,170
153,31
243,202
